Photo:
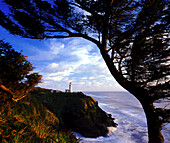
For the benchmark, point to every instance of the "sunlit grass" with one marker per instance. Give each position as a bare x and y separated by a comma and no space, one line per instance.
28,121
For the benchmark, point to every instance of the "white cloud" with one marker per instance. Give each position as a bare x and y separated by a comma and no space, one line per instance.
108,78
52,67
55,67
84,78
55,78
89,83
91,77
77,61
54,48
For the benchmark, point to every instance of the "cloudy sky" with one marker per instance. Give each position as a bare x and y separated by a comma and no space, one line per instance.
61,61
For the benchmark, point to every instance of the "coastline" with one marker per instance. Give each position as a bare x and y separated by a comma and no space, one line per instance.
75,111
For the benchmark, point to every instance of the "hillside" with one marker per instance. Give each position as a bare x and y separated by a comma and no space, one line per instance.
29,121
43,117
76,111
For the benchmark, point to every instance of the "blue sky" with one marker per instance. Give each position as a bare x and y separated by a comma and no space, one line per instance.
61,61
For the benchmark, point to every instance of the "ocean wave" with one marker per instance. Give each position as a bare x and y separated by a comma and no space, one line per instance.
110,130
130,117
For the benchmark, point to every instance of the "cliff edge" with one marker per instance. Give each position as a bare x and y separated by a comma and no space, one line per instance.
76,111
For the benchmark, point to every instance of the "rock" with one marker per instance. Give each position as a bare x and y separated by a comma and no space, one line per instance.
83,115
78,112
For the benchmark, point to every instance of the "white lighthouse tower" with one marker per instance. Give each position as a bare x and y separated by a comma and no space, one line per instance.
70,87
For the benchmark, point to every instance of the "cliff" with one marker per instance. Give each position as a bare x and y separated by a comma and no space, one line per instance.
76,111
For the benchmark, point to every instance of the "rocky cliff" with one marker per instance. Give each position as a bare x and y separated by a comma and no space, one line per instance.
77,112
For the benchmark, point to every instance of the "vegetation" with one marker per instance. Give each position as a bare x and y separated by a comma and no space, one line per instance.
76,111
15,77
132,36
24,119
28,121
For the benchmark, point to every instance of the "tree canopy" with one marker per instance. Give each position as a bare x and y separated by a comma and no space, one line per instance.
15,71
132,35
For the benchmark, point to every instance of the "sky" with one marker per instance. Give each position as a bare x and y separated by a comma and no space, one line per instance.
61,61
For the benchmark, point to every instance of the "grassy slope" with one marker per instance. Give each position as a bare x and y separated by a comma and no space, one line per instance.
29,121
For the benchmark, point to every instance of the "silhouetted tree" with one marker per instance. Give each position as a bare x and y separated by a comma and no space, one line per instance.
132,36
14,72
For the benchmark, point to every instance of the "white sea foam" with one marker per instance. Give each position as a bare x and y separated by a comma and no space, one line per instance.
110,130
129,116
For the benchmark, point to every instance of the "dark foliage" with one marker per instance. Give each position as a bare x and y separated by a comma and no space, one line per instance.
15,71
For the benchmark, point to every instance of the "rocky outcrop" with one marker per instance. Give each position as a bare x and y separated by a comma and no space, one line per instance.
78,112
84,116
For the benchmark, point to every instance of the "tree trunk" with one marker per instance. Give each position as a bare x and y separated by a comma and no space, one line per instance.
153,123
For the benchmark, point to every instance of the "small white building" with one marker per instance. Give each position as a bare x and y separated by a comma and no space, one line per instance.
67,90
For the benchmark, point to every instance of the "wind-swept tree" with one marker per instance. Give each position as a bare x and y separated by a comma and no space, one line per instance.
132,36
15,77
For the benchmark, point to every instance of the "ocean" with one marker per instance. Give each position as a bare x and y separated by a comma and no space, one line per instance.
129,116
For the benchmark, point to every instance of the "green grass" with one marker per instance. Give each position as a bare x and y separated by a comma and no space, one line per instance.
28,121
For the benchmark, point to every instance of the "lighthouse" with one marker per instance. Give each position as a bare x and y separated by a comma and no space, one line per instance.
70,87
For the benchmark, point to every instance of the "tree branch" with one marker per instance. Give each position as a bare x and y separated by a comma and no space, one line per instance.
75,35
7,90
56,36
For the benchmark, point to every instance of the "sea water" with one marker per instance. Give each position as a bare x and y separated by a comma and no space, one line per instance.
128,114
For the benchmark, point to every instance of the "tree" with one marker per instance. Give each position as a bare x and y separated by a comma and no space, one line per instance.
132,36
14,72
